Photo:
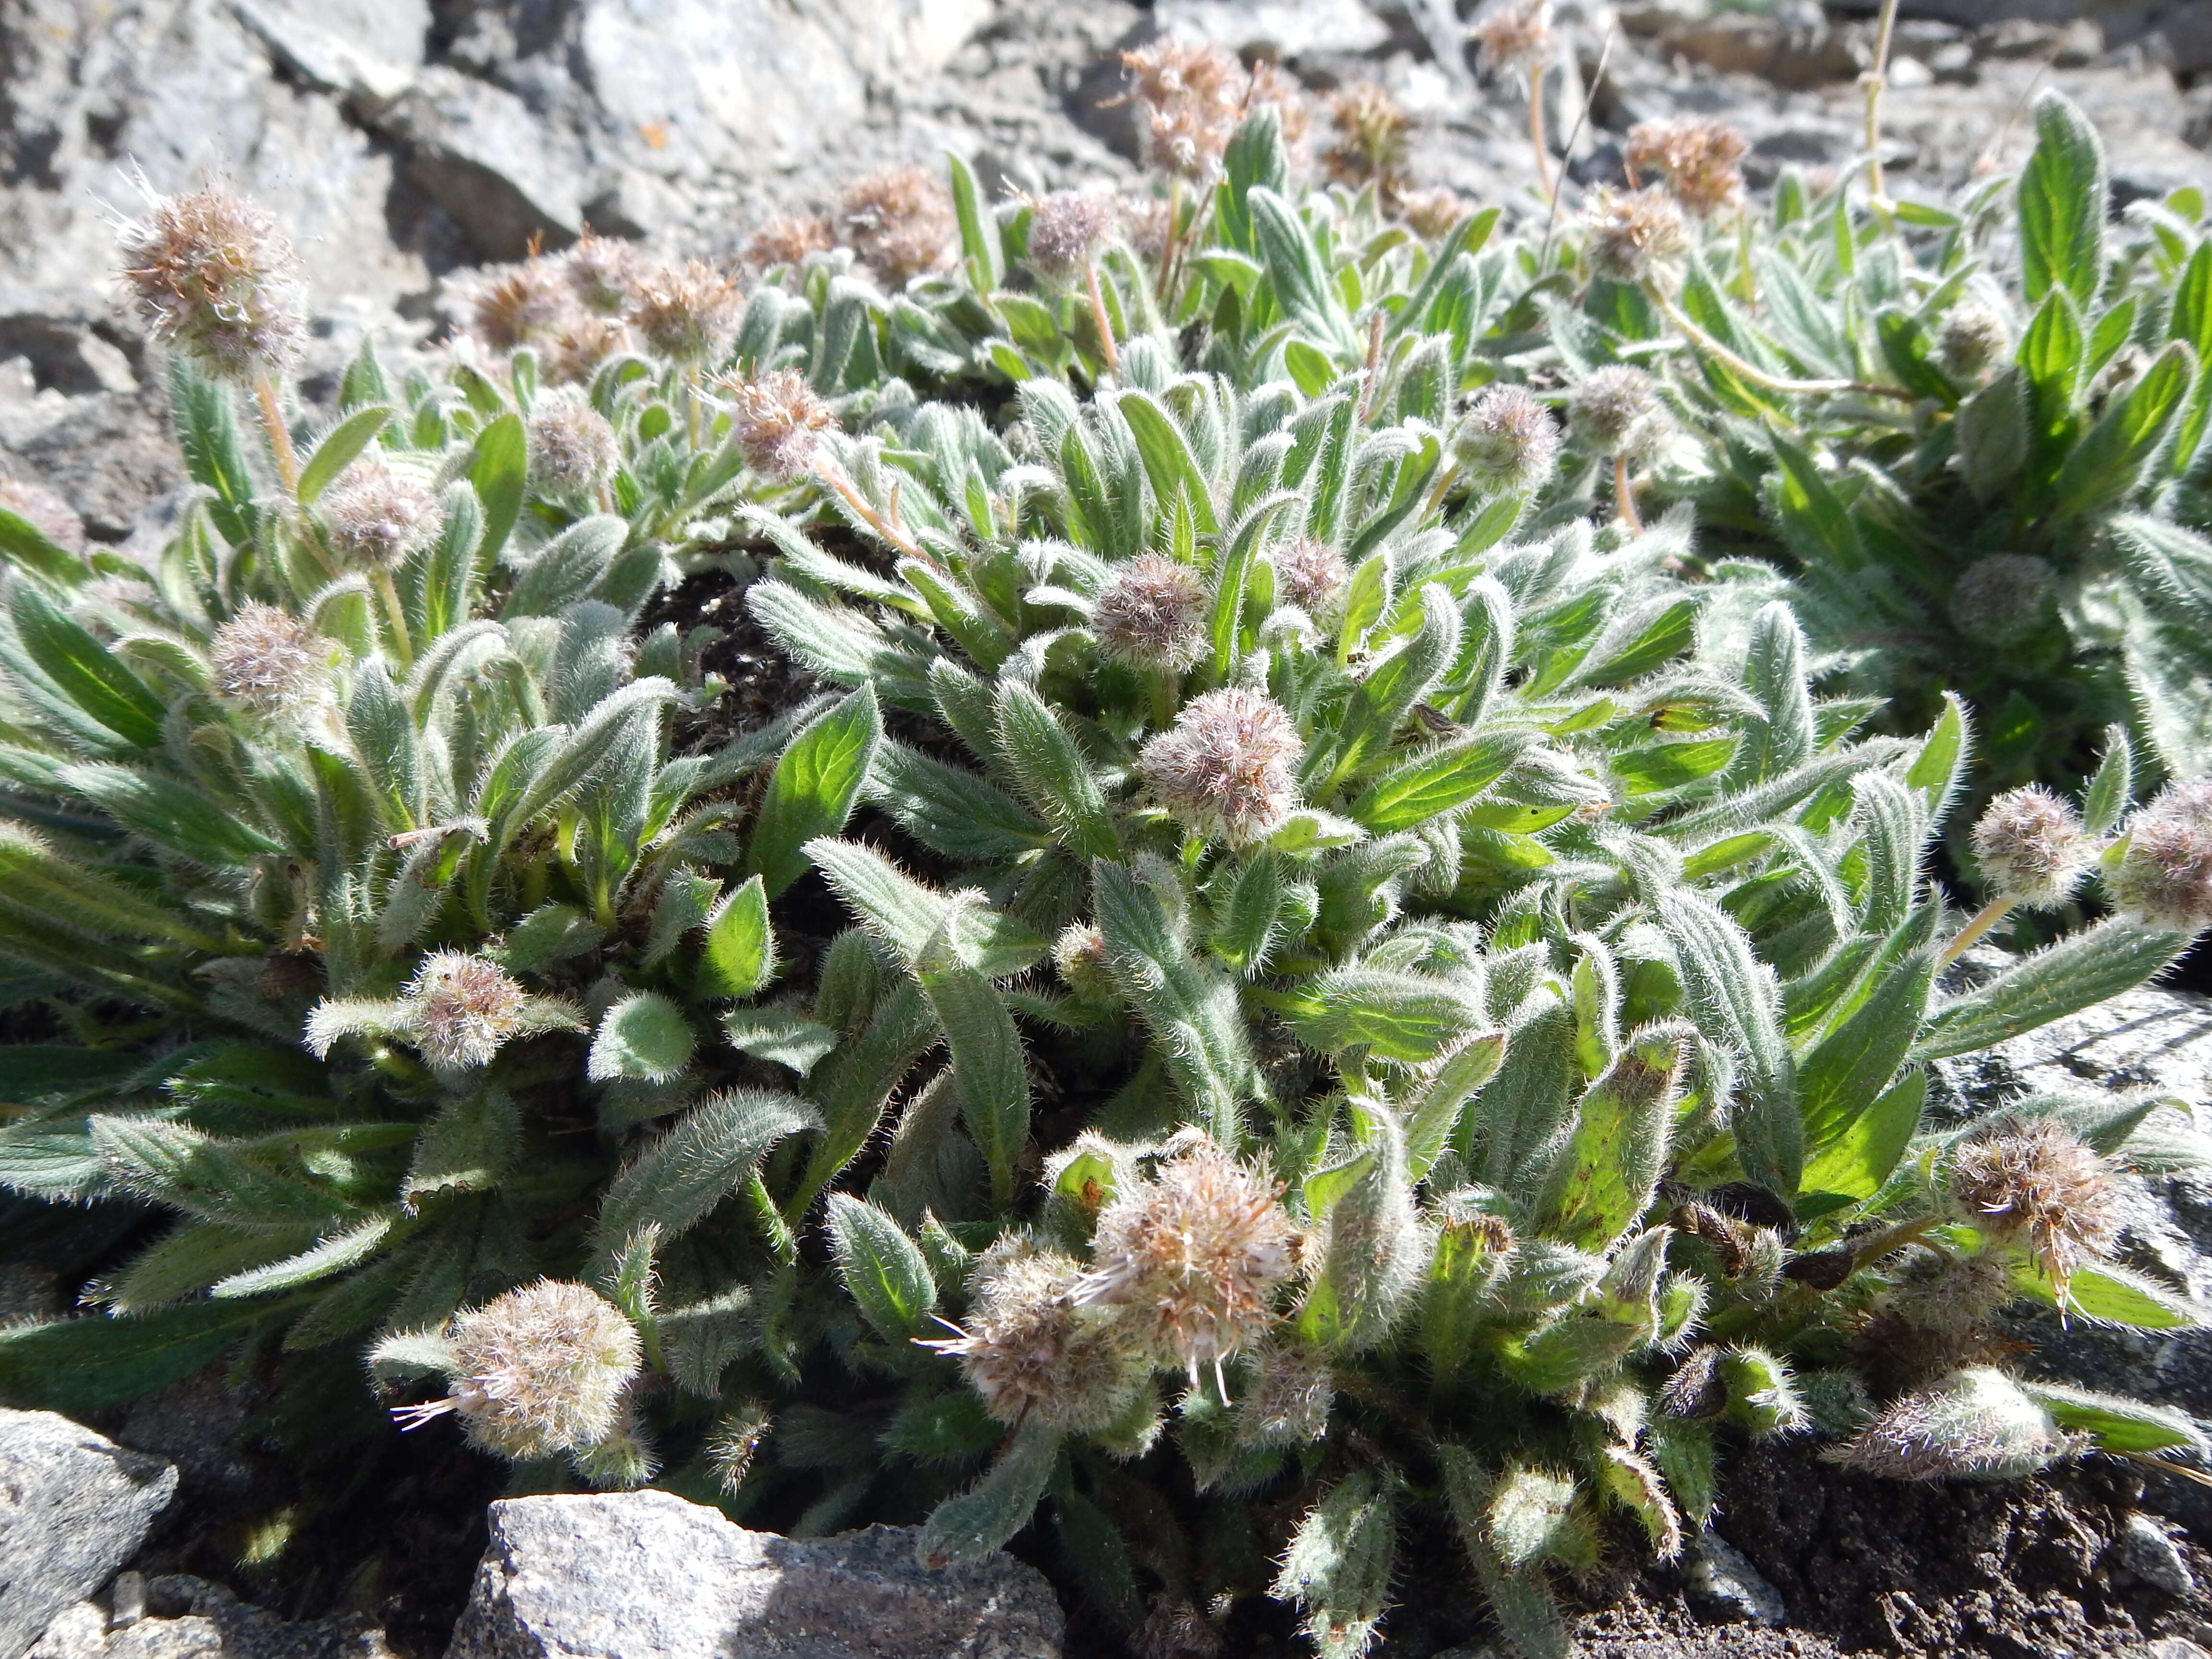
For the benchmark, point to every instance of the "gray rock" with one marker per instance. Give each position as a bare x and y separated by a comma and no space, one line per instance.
648,1576
74,1507
1280,28
1723,1588
2147,1550
2171,1647
195,1619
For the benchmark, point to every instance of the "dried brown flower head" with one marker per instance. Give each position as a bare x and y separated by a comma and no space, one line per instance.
776,416
1509,444
1515,35
44,511
1191,97
572,353
1066,230
1197,1255
1310,574
1152,614
1032,1353
268,663
688,313
215,279
573,448
509,306
900,221
1699,156
2164,878
2036,1184
2031,848
2006,599
1635,236
601,271
788,240
1369,143
1223,769
375,517
539,1371
1433,212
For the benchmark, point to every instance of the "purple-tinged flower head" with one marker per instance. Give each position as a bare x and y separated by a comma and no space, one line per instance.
1635,236
504,306
1615,411
2164,876
539,1371
1152,614
459,1010
267,663
687,313
1312,575
1196,1255
1035,1356
1433,211
572,353
788,240
1223,769
1509,443
573,448
601,271
1078,956
1066,230
778,420
1976,1425
376,516
900,221
214,278
2031,848
1191,97
2037,1185
1370,129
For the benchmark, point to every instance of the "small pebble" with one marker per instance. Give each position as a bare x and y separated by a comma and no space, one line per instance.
1723,1588
2148,1551
126,1600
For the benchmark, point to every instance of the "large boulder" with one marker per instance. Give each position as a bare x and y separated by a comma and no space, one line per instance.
648,1576
74,1507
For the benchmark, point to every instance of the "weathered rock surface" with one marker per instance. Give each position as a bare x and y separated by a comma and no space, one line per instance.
174,1616
74,1507
648,1576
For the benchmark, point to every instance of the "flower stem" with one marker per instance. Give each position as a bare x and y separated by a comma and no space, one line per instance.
1536,138
1984,919
1876,82
1111,352
403,643
833,476
1624,498
1758,377
280,436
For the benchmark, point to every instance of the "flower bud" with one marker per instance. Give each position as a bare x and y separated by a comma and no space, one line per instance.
1977,1425
2164,876
2030,848
1292,1394
1310,574
1033,1354
573,353
1972,337
1371,135
688,314
1508,443
1079,956
1152,614
900,221
267,663
1616,410
1635,236
2005,599
1433,211
375,517
2036,1185
1699,156
1223,769
776,416
539,1371
214,278
1066,230
573,448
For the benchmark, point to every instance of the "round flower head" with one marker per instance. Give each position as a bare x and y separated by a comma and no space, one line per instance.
1432,212
2030,848
573,352
688,314
900,221
1079,956
787,241
539,1371
1699,156
459,1009
572,446
776,416
509,306
1616,409
268,663
1310,574
1370,129
2037,1185
2005,599
1032,1354
1972,337
1514,34
1066,230
601,271
44,511
1191,97
1152,614
1196,1255
1508,443
376,518
1976,1425
1635,236
2164,876
214,278
1223,769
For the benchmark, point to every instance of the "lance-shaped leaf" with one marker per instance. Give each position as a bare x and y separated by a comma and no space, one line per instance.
1386,694
468,1147
2129,1427
711,1153
1338,1566
1054,777
1848,1070
949,810
83,1364
905,915
2076,973
174,817
181,1166
1432,1117
1192,1011
969,1527
987,1063
813,787
1855,1160
1374,1248
1610,1163
1517,1594
1438,784
340,448
1738,1003
2061,204
1247,926
86,672
885,1271
1402,1016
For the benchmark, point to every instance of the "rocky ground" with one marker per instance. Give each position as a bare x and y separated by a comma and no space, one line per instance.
400,140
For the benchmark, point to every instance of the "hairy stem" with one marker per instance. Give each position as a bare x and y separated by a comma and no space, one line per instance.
280,435
1984,919
1876,82
403,644
1544,179
1624,498
1758,377
1107,348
